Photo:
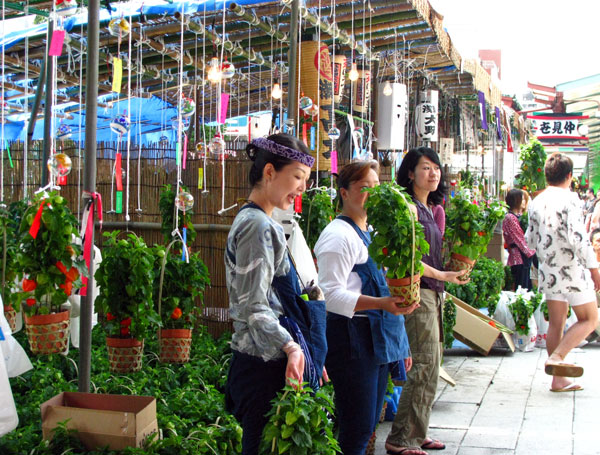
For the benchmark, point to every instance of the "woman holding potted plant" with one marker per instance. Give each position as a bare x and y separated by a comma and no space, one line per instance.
263,288
365,329
420,173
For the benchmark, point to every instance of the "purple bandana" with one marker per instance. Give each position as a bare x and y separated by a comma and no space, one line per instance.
282,150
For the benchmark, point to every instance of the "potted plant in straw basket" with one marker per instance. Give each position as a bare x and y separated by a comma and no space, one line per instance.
178,287
399,241
125,277
470,223
48,271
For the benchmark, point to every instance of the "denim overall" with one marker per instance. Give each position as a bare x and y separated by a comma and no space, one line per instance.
362,352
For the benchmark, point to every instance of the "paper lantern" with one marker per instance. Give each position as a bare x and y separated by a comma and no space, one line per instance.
339,77
391,117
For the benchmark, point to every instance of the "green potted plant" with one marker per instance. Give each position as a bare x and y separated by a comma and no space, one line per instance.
470,224
399,241
533,158
178,288
10,220
48,271
317,213
125,280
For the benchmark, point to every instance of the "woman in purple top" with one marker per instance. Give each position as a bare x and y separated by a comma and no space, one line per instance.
421,175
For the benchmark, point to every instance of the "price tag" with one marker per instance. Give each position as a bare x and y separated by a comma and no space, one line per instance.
200,178
117,74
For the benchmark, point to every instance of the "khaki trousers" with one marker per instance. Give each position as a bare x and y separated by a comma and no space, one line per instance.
423,328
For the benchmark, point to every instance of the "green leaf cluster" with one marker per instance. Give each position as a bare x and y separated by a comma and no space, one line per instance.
533,158
317,213
388,211
449,321
190,405
125,278
300,424
37,259
487,280
166,206
470,222
183,287
10,221
521,309
544,306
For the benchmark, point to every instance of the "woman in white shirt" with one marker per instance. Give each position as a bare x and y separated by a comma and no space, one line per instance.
365,329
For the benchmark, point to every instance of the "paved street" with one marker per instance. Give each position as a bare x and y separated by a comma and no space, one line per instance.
502,405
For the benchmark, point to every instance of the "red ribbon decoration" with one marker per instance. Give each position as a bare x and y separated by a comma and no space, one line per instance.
35,226
185,143
249,128
305,134
61,180
298,204
118,172
87,236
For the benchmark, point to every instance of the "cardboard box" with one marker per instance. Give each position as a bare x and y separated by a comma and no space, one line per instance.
116,421
473,328
446,377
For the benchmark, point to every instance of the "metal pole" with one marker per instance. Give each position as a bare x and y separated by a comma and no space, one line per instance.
48,109
89,185
293,66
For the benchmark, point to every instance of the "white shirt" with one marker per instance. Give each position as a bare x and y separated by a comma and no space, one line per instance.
338,249
557,233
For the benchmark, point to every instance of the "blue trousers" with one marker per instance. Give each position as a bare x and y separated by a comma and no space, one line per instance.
358,381
251,385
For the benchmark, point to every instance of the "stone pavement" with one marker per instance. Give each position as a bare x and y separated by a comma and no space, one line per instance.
501,405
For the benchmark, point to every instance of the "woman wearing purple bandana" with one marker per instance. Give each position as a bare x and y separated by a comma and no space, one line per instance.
264,290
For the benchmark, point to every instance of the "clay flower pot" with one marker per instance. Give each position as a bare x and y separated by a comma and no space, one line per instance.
459,262
407,287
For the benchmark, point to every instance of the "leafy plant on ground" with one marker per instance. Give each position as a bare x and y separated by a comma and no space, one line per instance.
449,321
393,222
521,310
317,213
189,399
299,423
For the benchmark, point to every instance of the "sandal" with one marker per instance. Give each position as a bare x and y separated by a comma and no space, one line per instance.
433,444
407,451
563,369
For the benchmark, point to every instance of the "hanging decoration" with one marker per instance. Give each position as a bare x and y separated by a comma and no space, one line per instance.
65,8
305,103
184,201
361,91
185,123
387,89
227,70
391,116
63,132
216,145
353,73
120,124
59,165
333,133
118,27
339,77
187,106
427,116
214,71
276,92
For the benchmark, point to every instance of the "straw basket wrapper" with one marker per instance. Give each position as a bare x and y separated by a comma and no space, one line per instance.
11,317
48,333
125,354
408,287
175,345
459,262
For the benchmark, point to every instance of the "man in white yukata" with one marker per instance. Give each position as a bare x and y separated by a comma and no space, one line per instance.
568,271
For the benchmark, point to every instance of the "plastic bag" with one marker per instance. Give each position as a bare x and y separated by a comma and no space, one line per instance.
526,343
502,313
542,326
8,411
16,362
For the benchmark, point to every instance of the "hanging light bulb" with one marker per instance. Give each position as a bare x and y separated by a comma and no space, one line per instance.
387,88
276,92
214,71
353,74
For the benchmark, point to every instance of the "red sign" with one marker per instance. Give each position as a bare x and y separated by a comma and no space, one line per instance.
325,68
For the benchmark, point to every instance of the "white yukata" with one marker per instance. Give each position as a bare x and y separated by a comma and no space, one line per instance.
557,232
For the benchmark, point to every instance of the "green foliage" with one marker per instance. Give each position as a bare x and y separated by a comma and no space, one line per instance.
467,179
487,280
183,283
449,321
166,205
533,159
388,211
508,279
317,213
47,265
299,424
544,308
125,278
10,221
521,309
190,405
470,222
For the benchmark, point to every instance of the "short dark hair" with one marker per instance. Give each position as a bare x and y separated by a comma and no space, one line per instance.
260,157
354,172
557,169
591,190
409,163
514,198
593,233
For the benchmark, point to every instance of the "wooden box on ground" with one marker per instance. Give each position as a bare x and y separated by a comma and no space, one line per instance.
116,421
477,330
